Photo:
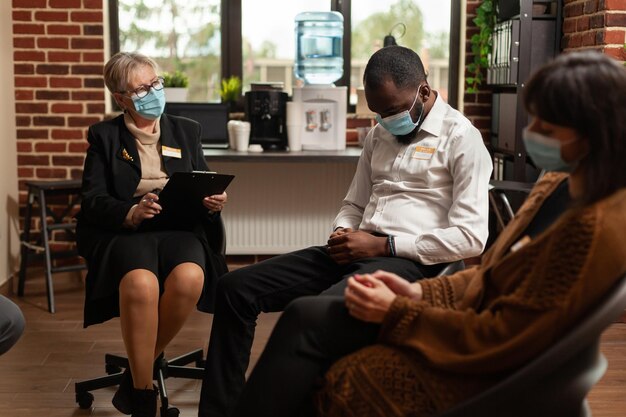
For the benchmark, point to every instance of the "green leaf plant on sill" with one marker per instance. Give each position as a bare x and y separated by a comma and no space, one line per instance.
230,90
485,21
177,79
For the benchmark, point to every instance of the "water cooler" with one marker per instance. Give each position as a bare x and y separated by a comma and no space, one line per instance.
319,63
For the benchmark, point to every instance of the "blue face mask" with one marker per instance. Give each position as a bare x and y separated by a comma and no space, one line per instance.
546,151
401,123
150,106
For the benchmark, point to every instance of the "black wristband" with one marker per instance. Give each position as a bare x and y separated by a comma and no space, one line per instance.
391,241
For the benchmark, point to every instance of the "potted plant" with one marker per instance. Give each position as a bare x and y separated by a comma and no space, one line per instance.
175,84
230,91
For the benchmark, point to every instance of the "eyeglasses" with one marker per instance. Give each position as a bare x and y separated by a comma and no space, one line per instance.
144,89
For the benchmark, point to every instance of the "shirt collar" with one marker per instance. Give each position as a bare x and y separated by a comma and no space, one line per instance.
433,123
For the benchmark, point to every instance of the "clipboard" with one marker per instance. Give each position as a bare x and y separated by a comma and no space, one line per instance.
185,190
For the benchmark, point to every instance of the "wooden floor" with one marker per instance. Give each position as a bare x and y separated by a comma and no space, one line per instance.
37,376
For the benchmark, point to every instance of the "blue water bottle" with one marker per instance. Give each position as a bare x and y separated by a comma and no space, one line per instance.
319,47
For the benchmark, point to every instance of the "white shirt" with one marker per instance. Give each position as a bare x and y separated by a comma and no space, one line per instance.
430,194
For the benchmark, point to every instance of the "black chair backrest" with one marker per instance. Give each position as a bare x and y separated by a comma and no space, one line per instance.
557,381
452,267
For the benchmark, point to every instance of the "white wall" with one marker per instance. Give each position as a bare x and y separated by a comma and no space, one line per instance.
9,238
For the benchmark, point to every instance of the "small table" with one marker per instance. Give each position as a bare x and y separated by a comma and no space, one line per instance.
38,191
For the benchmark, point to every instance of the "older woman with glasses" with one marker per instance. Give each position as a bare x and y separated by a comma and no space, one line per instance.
148,269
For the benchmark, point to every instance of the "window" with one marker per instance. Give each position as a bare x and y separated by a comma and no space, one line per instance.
422,25
269,40
178,35
255,40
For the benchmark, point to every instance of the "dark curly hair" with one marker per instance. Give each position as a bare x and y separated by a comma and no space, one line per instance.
586,91
400,64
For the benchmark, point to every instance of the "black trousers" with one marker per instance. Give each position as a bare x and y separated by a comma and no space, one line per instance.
310,335
268,287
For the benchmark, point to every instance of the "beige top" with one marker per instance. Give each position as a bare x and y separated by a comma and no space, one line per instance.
153,175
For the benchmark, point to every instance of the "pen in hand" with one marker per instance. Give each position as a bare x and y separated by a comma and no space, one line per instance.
147,207
149,200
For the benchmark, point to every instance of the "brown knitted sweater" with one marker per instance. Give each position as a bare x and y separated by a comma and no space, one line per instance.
476,326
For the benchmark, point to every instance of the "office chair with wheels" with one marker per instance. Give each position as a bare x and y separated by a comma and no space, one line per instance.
555,383
163,368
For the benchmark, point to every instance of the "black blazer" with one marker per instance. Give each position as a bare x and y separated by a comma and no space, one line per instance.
110,178
113,169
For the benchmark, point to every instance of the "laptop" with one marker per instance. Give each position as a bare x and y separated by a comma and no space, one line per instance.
213,117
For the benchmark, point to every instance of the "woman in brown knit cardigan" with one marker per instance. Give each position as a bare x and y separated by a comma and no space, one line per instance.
400,349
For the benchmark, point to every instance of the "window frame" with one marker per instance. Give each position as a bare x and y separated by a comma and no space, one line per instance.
231,54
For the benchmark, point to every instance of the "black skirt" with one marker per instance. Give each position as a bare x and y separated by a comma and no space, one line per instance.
111,255
157,251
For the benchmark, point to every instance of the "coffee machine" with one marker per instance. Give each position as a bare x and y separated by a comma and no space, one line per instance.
266,110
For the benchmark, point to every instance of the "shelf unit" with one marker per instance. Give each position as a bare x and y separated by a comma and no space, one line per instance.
527,35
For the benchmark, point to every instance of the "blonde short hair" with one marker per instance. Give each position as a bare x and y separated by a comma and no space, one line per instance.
118,70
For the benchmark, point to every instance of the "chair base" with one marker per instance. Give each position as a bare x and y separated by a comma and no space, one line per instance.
163,369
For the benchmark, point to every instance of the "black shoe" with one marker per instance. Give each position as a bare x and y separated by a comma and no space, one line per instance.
122,400
144,402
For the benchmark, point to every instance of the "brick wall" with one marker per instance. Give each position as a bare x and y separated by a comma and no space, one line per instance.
58,60
477,106
595,24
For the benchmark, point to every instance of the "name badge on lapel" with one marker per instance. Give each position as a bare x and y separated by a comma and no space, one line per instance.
173,152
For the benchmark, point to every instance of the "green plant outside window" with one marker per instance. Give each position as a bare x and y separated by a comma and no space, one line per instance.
177,79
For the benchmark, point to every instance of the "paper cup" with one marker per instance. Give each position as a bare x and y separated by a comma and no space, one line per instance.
242,136
294,113
231,133
294,137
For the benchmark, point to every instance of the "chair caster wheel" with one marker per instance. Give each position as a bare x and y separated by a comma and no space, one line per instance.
85,399
112,369
171,412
